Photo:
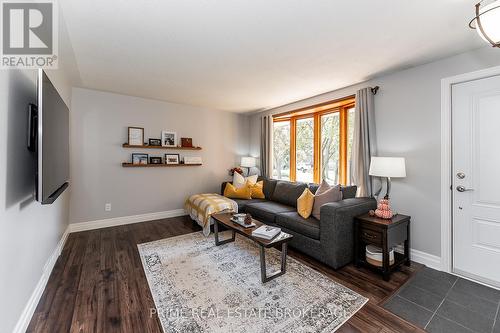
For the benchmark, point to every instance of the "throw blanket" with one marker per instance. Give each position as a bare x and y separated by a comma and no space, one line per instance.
201,207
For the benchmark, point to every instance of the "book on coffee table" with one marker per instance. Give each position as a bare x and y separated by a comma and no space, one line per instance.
266,232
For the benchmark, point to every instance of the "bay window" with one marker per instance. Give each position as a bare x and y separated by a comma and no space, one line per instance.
313,144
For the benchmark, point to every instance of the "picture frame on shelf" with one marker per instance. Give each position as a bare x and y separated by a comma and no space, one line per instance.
135,136
155,160
154,142
187,142
172,159
193,160
140,159
168,139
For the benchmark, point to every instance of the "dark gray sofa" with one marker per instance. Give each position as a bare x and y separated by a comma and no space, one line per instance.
329,240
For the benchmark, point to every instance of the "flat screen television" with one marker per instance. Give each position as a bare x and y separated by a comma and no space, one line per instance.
49,139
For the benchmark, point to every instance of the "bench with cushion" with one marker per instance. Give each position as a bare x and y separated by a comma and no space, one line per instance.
329,239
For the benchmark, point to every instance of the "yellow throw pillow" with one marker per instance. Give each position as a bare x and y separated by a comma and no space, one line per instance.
305,203
232,192
257,190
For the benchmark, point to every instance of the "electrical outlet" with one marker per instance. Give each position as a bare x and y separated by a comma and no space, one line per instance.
107,207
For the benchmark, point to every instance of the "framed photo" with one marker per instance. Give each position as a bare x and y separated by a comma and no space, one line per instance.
154,142
155,160
187,142
168,139
172,159
140,158
136,136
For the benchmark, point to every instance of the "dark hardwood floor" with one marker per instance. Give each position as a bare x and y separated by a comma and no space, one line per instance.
98,284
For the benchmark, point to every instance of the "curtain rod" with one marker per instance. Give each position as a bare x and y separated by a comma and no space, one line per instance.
375,89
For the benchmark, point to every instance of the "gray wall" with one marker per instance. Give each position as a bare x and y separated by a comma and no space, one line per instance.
29,232
99,128
407,108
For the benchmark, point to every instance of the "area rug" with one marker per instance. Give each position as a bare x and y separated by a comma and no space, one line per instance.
200,287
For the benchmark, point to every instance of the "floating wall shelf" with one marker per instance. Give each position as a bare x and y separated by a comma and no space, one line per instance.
126,145
130,165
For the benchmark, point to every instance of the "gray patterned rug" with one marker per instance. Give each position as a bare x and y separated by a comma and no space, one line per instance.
200,287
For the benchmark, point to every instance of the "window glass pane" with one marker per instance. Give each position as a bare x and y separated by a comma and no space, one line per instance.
350,132
330,147
305,150
281,150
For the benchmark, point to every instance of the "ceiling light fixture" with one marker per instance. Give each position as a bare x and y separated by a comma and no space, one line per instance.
487,22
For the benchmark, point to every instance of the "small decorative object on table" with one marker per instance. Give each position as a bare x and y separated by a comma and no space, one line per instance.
140,158
387,167
155,142
233,170
155,160
172,159
248,219
187,142
384,209
242,219
239,216
136,136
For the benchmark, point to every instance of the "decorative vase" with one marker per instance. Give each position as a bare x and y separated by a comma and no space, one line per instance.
384,209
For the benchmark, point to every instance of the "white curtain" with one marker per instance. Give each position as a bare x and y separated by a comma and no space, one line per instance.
363,144
266,146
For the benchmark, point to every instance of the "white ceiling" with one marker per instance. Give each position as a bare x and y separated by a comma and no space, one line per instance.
245,55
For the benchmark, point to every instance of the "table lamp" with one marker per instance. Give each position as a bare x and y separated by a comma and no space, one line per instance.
248,162
389,167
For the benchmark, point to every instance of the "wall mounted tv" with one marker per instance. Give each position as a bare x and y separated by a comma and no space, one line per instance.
49,140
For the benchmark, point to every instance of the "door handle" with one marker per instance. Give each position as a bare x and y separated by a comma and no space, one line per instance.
461,188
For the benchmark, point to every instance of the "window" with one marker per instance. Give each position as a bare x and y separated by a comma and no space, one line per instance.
315,143
281,150
350,132
304,150
330,147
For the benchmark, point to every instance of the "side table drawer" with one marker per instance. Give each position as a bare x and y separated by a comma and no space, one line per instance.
371,236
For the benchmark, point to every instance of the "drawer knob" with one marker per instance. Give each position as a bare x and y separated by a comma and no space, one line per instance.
368,235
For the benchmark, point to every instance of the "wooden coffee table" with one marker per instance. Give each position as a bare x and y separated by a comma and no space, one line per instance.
283,238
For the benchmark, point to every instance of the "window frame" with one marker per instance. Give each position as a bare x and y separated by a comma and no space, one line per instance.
341,106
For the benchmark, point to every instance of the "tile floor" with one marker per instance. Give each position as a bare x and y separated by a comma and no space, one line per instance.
441,302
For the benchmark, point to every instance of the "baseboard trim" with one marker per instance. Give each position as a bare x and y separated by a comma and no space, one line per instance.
29,309
116,221
425,258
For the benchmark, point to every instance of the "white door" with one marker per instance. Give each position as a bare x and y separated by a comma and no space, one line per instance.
476,179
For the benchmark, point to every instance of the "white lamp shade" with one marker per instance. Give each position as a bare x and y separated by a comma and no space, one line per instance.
248,162
490,21
387,167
